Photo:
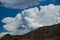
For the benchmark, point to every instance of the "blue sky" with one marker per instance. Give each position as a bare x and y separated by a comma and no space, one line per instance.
9,12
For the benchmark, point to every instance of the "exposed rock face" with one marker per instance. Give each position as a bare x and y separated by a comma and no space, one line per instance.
42,33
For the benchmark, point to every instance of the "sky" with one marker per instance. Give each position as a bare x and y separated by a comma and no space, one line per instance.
20,16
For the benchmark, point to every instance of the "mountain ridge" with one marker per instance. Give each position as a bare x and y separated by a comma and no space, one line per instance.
42,33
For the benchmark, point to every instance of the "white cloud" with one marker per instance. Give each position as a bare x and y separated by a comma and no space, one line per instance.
3,33
19,3
17,32
12,23
50,13
32,19
8,19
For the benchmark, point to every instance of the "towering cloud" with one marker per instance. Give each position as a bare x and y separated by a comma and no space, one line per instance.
32,19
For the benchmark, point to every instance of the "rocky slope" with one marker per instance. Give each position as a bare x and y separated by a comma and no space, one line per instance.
42,33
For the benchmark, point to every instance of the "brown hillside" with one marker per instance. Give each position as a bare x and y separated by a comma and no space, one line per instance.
42,33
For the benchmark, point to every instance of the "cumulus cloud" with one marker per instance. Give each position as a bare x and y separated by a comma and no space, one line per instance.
51,14
3,33
32,19
21,4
